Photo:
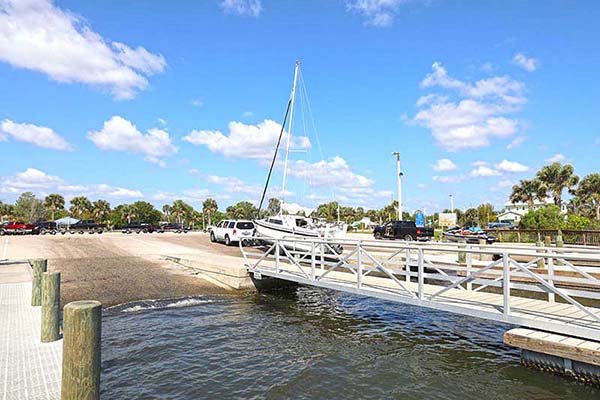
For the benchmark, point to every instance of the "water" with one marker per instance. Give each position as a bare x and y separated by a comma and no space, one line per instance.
312,344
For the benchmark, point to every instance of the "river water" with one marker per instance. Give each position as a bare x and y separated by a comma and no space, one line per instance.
312,344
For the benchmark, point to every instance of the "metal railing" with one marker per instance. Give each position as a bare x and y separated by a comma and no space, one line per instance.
570,236
549,288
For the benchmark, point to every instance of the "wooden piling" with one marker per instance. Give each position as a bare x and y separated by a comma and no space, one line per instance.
50,306
462,256
81,350
548,241
483,257
540,262
39,267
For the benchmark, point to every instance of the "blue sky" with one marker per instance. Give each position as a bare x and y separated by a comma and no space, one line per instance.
159,100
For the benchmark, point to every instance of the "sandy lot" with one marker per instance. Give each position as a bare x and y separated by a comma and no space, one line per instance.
115,268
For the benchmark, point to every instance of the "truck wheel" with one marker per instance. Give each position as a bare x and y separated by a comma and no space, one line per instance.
408,238
91,232
377,235
227,240
212,237
81,232
100,231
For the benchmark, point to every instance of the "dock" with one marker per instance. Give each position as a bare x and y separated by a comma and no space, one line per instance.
29,369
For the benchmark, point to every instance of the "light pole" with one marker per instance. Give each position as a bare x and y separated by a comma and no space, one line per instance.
398,176
451,203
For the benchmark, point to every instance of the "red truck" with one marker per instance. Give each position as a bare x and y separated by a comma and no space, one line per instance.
17,228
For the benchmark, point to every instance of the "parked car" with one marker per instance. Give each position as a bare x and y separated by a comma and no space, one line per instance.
231,231
406,230
46,227
501,225
17,228
86,225
139,227
175,227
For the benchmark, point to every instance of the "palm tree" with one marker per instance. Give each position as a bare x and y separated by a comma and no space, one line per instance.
555,178
589,192
166,209
80,205
54,202
129,212
101,209
210,207
528,191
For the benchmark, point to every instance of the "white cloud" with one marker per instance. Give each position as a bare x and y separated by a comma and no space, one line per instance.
193,171
197,103
41,183
480,113
448,178
119,134
444,164
249,8
247,114
511,166
334,172
529,64
38,36
37,135
556,158
378,13
484,171
162,121
247,141
516,142
122,192
503,184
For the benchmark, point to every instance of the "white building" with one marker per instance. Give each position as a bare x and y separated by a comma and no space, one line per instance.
513,212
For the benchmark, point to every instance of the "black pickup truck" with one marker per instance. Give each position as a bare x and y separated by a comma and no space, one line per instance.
87,225
406,230
139,227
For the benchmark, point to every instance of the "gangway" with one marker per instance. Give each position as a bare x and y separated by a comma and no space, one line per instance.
547,288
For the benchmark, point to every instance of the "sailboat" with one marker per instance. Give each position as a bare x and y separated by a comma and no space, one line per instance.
292,221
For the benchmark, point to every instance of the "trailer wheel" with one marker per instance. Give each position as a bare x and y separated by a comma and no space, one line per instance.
81,232
2,233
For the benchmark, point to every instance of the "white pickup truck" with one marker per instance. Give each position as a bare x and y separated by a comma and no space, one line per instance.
231,231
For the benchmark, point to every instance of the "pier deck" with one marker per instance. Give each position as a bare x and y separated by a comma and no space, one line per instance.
29,369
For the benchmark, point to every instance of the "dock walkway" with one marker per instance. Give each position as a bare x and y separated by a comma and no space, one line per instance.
29,369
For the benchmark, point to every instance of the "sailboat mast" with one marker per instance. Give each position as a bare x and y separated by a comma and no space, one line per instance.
289,138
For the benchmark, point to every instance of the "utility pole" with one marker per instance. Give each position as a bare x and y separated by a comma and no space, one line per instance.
451,203
399,176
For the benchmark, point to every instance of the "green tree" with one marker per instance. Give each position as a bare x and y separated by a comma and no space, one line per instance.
469,218
544,218
166,209
210,207
527,191
6,211
274,206
54,202
181,211
242,210
485,214
80,206
101,210
29,208
555,178
145,212
589,193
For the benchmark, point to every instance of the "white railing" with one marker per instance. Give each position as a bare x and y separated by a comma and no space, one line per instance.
563,283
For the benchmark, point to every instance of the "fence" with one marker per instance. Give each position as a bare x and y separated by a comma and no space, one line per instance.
570,236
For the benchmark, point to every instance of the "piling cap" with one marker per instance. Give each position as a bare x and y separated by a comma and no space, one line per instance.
83,305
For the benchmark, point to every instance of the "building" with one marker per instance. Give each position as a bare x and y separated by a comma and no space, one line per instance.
513,212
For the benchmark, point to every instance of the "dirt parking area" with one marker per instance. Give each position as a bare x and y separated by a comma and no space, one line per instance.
116,268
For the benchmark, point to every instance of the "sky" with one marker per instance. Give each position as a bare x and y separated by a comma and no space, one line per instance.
160,100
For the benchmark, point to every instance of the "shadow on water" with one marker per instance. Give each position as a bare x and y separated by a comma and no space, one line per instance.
312,344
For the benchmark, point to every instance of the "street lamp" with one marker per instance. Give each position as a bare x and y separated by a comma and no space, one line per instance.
398,176
451,203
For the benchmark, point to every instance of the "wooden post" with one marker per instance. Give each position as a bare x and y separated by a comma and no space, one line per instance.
518,236
462,256
548,241
39,267
559,244
540,262
50,306
81,350
482,243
